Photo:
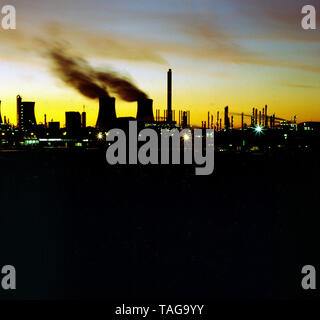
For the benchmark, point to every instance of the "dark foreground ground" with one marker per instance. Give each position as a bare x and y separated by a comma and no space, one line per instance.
74,227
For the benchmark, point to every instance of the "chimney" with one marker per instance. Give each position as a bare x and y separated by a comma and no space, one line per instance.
84,119
259,118
274,120
226,118
169,93
242,121
266,115
217,120
186,119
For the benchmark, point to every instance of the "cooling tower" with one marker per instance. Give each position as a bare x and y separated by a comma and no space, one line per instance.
145,112
107,112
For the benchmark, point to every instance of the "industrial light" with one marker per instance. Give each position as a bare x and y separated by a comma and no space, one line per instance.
100,135
258,129
186,137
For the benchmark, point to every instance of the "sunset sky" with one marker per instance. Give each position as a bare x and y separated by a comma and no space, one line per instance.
243,54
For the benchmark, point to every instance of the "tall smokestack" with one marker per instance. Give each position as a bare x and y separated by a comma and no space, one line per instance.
107,112
259,118
145,112
169,92
253,116
242,121
185,119
217,120
226,118
83,119
266,115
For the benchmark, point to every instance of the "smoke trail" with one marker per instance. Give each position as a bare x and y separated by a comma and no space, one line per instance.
77,73
121,86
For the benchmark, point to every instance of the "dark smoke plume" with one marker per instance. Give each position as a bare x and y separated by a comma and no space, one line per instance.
77,73
120,86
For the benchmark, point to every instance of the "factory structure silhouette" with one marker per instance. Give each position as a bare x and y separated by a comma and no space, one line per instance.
259,130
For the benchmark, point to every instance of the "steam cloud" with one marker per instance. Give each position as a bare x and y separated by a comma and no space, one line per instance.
77,73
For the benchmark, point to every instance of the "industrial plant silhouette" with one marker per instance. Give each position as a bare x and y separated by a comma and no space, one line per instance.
261,133
76,227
